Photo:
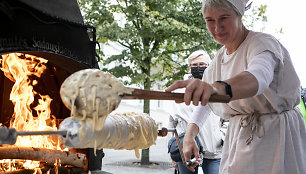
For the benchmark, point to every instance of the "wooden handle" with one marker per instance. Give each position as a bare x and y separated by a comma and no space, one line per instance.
159,95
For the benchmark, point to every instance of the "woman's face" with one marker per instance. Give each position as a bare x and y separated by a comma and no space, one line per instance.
224,25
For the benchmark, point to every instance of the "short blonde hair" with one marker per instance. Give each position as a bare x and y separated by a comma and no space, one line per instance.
197,54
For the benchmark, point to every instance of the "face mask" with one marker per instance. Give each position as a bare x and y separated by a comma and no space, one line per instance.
197,72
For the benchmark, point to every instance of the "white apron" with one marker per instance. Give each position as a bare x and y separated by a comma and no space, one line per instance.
277,142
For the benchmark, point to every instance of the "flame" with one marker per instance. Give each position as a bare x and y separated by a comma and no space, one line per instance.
23,69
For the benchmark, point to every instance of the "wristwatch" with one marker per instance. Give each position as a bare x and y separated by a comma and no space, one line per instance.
228,88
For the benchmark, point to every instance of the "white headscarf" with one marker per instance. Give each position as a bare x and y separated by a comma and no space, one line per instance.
240,5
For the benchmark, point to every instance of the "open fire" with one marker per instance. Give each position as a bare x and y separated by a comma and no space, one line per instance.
31,110
53,31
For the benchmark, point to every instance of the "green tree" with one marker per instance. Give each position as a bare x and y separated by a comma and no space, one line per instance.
156,37
156,34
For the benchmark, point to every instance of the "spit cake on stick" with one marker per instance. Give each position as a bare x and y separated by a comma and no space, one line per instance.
120,131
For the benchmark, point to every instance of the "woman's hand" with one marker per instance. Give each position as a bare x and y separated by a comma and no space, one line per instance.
190,147
243,85
174,165
196,90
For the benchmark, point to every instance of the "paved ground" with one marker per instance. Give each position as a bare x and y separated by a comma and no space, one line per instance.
125,161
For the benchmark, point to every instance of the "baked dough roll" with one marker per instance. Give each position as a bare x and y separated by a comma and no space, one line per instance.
120,131
92,93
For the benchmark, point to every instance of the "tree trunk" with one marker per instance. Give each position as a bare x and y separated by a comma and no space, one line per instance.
145,154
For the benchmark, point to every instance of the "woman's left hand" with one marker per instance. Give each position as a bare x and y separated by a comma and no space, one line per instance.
190,147
174,165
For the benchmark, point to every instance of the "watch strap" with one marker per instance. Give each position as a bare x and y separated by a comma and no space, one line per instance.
228,88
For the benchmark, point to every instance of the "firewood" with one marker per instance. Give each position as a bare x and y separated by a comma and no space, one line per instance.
22,171
45,155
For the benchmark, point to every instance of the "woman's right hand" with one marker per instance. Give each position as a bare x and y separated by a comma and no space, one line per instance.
196,90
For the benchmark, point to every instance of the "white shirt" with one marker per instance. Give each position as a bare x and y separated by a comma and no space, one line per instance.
262,66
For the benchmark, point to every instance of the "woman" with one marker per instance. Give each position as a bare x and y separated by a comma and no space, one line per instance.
266,133
210,135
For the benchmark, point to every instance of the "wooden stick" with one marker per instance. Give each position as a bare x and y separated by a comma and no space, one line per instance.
46,155
159,95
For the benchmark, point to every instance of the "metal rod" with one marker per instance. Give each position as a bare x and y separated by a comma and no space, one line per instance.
171,129
29,133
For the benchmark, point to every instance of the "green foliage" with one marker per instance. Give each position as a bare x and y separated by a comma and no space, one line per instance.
255,15
157,36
